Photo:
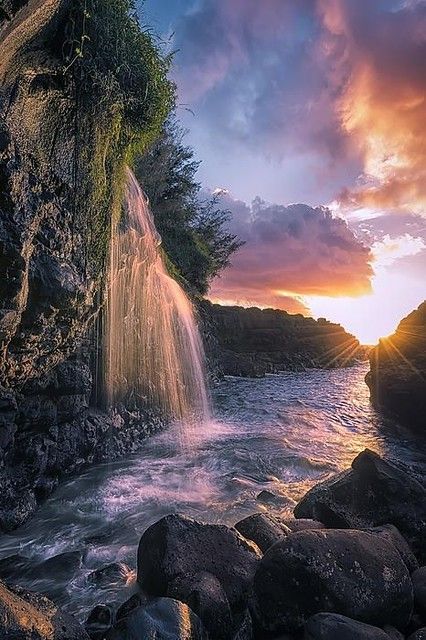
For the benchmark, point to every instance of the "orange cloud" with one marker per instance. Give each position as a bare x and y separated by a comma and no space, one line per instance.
379,59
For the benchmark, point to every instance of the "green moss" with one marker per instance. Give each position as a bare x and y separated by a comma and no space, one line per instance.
122,97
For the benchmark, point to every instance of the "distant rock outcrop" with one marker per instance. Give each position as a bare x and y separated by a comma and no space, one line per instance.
397,376
252,342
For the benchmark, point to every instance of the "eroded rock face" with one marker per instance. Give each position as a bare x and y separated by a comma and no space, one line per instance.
374,492
397,376
25,615
210,567
353,573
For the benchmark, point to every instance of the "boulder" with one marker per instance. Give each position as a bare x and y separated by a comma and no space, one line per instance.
302,524
332,626
211,566
419,585
161,619
390,533
353,573
29,616
393,633
420,634
373,492
262,529
207,598
99,621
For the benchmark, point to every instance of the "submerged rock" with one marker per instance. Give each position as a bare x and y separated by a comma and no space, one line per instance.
332,626
262,529
354,573
115,572
30,616
99,621
161,619
374,492
211,566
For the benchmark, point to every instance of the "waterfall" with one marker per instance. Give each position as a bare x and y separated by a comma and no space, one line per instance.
153,353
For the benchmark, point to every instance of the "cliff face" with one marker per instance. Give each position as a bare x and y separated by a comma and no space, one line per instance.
252,342
397,376
64,133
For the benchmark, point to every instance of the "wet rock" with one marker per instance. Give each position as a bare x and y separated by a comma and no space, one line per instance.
161,619
331,626
390,533
420,634
419,585
374,492
270,498
14,567
60,567
29,616
176,553
393,633
353,573
262,529
206,597
109,574
302,524
99,621
136,600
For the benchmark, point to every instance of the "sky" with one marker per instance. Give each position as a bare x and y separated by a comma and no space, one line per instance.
309,120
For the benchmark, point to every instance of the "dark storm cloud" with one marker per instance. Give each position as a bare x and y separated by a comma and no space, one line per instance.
293,250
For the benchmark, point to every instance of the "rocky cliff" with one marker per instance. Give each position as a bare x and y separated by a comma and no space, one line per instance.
252,342
74,98
397,376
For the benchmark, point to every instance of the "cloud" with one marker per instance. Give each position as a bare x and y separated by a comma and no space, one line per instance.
291,251
390,249
380,51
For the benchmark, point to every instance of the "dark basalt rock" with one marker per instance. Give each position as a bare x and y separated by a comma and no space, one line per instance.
397,376
374,492
99,621
177,556
331,626
302,524
253,342
262,529
353,573
161,619
29,616
420,634
390,533
419,585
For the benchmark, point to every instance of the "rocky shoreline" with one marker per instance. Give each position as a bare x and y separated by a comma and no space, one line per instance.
349,564
252,342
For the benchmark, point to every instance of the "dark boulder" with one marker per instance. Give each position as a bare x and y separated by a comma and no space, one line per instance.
30,616
393,633
354,573
211,566
161,619
420,634
302,524
207,598
331,626
374,492
390,533
419,585
262,529
99,621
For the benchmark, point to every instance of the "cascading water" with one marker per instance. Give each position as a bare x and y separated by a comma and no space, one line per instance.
154,352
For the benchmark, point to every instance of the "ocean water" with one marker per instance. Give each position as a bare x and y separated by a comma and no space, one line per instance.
282,433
